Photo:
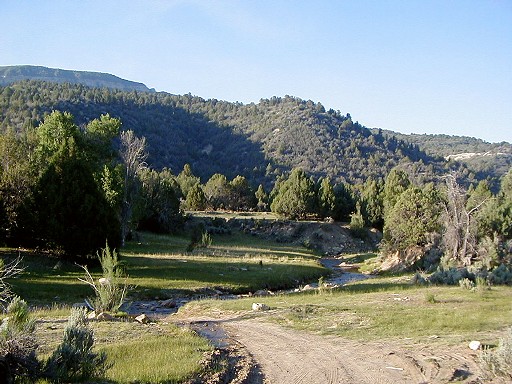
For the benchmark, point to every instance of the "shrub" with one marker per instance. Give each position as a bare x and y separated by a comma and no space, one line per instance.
502,275
499,360
466,283
18,344
74,360
7,271
206,240
450,276
430,298
111,289
419,278
357,224
481,284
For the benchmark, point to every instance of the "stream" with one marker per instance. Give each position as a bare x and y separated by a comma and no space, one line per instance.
341,275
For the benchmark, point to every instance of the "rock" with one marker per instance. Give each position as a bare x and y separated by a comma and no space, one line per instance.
263,292
104,281
91,315
260,307
103,316
170,303
475,345
143,319
308,287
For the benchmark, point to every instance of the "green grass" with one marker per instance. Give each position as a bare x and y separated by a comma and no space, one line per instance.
158,266
384,308
237,263
171,357
42,284
153,353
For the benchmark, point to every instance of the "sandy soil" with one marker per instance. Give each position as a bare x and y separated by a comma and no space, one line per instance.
285,356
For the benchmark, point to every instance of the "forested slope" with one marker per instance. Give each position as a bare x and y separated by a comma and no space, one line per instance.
258,140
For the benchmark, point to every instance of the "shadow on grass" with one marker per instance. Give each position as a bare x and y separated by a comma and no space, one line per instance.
47,292
369,287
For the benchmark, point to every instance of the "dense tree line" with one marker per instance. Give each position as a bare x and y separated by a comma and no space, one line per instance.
66,189
466,227
70,188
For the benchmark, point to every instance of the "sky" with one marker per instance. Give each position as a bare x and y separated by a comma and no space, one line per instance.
412,66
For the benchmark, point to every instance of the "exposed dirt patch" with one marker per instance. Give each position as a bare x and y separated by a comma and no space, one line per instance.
288,356
230,362
328,238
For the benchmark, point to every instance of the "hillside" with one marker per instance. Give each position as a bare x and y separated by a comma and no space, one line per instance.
481,157
12,74
259,140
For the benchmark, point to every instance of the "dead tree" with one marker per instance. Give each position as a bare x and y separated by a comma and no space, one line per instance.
459,237
133,154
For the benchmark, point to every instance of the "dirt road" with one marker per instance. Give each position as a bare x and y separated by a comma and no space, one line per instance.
286,356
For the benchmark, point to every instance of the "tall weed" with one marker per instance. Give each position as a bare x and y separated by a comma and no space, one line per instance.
499,361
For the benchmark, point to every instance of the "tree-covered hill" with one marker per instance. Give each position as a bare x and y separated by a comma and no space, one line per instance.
12,74
483,158
257,140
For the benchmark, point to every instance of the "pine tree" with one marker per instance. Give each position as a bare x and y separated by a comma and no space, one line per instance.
296,196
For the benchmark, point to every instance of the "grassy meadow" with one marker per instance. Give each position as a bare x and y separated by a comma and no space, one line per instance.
158,267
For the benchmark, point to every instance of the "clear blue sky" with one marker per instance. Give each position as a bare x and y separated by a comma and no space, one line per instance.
407,65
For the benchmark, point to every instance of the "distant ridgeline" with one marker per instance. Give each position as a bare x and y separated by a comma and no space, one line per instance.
483,158
12,74
257,140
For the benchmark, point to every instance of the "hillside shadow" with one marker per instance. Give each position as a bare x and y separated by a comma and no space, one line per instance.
177,135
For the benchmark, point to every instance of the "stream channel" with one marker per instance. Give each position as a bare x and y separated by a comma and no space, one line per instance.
341,275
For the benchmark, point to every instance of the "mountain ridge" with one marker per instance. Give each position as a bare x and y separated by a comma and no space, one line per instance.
14,73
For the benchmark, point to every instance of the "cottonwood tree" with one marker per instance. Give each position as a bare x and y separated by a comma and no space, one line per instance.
133,155
217,191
